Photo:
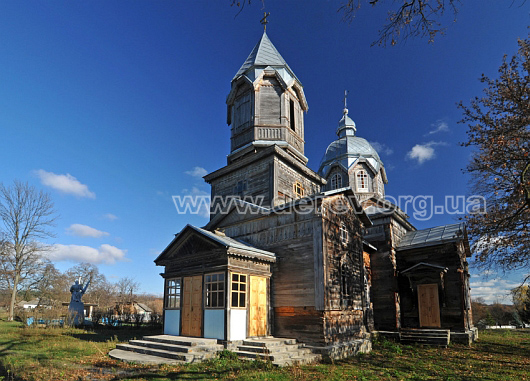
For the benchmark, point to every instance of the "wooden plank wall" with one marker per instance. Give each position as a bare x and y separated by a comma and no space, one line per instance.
285,178
383,292
256,176
343,320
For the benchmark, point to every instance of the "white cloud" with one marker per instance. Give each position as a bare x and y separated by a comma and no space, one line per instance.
110,217
85,231
382,148
204,209
439,126
423,152
104,254
64,183
197,172
494,290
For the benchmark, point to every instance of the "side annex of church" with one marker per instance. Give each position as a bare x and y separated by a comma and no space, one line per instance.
320,257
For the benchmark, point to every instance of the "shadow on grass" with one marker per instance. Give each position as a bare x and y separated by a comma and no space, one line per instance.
7,375
211,369
124,333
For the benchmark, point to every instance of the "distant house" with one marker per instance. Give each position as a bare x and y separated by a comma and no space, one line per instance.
34,303
134,308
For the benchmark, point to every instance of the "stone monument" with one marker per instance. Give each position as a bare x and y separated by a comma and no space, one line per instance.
76,308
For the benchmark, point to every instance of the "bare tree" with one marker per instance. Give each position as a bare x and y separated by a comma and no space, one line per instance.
126,288
499,129
408,18
26,216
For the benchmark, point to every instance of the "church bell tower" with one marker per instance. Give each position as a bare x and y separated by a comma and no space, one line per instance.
265,111
266,105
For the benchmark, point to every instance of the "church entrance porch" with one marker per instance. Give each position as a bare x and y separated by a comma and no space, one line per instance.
216,287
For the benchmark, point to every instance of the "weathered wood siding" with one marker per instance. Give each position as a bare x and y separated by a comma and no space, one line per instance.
384,290
285,179
253,181
268,99
343,314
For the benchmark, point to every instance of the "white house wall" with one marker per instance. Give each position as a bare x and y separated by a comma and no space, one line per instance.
238,324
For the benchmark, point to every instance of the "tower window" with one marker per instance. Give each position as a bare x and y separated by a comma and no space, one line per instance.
362,181
298,189
292,117
336,181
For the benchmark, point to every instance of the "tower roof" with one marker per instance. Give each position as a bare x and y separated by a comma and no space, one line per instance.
348,148
264,54
346,125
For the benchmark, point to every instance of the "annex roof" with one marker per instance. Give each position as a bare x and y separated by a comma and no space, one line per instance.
432,236
220,239
424,264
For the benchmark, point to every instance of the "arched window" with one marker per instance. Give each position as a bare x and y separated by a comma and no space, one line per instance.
362,181
336,181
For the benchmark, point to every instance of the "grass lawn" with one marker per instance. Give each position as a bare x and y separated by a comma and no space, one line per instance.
75,354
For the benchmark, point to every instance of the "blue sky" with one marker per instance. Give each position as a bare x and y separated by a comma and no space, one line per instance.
111,106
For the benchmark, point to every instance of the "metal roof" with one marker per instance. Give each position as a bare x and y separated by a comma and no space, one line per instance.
346,151
263,55
233,243
432,236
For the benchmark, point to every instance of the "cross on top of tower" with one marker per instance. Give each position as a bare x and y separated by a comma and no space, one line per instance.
345,101
264,20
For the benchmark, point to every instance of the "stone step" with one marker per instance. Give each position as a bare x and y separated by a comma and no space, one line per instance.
180,340
141,358
412,336
434,341
426,331
264,356
166,346
310,359
268,350
187,357
269,342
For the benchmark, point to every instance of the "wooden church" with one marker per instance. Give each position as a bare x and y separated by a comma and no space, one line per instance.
320,257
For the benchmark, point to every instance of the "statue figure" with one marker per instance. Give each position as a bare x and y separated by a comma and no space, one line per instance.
78,291
76,308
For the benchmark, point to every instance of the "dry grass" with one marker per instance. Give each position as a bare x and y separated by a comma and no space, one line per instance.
75,354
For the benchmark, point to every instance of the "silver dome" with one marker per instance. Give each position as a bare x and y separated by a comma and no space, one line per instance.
346,151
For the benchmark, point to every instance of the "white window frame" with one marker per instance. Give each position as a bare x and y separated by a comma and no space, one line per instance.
362,181
336,181
173,294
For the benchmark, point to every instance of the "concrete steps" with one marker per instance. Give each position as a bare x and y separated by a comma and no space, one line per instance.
280,352
178,350
431,337
175,348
